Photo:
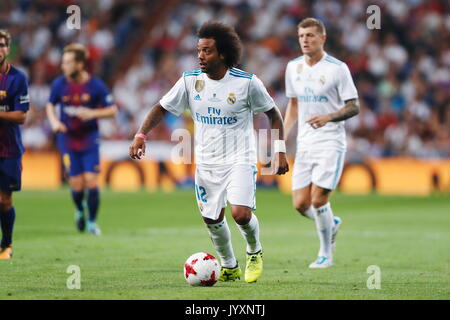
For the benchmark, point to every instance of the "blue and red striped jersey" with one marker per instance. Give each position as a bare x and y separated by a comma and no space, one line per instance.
68,96
13,97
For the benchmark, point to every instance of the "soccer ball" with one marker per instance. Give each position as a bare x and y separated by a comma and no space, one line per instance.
201,269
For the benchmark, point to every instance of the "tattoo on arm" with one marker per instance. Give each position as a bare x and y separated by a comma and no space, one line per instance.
153,117
350,109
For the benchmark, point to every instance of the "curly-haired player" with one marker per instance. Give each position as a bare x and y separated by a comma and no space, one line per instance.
222,100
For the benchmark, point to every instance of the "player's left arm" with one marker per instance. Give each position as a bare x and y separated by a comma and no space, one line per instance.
279,163
107,108
350,109
347,92
261,101
21,103
17,117
86,114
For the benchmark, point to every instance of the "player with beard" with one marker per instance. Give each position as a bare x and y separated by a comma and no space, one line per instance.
81,99
14,104
222,100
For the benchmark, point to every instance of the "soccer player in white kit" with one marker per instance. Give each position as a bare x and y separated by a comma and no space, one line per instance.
222,101
321,96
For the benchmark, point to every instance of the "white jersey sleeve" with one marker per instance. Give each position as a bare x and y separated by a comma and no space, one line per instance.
259,98
345,86
290,91
176,100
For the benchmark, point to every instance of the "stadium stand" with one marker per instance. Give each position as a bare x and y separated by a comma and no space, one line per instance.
140,48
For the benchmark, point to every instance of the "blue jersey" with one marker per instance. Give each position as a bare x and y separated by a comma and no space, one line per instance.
68,96
13,97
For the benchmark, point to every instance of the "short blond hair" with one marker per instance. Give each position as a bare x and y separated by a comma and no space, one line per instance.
5,35
312,22
80,52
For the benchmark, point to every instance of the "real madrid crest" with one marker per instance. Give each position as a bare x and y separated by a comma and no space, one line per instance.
231,98
322,79
299,67
199,85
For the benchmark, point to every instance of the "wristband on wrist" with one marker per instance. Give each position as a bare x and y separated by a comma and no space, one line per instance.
279,146
140,135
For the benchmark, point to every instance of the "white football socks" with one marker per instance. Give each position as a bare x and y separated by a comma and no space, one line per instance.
221,238
310,213
324,226
250,232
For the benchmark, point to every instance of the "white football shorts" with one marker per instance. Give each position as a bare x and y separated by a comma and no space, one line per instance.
214,186
322,168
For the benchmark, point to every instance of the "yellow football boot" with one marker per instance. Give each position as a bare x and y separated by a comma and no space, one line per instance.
6,253
254,267
230,274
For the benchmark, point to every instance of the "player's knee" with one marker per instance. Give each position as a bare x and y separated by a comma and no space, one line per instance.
211,221
241,215
218,220
302,206
76,184
5,203
319,202
91,182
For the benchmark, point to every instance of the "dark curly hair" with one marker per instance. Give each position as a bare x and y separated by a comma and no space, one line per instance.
227,40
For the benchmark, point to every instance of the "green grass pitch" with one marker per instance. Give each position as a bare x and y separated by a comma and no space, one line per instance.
147,237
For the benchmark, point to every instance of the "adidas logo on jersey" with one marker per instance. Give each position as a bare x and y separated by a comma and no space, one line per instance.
197,97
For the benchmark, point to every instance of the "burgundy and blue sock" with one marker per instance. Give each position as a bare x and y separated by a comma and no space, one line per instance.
93,203
77,197
7,219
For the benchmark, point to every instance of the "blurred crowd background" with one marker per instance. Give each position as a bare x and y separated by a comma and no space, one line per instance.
141,48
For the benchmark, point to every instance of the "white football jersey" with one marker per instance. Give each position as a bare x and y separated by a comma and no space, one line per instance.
320,89
222,111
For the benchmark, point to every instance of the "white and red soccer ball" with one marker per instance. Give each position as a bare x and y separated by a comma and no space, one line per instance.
201,269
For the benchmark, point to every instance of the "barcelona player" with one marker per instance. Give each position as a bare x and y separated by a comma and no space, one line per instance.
82,99
14,104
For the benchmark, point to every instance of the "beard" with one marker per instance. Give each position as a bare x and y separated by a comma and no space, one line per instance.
74,75
212,67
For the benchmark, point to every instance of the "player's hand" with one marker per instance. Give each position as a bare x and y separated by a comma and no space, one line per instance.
318,120
85,114
59,127
280,164
137,148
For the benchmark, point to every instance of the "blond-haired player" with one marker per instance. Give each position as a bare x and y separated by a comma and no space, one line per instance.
321,96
